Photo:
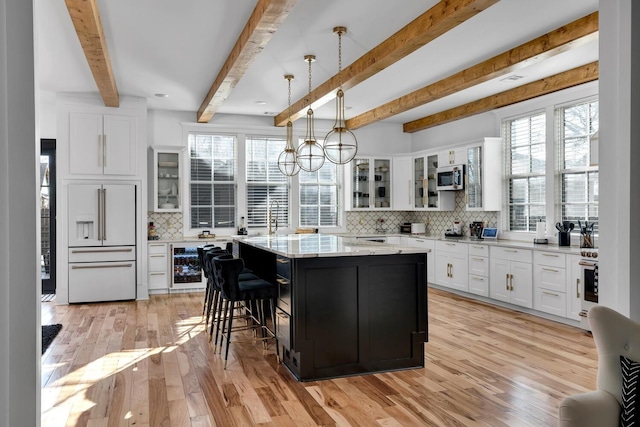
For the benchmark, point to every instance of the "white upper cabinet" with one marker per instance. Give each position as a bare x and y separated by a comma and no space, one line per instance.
402,184
165,180
369,184
425,194
484,175
102,144
455,156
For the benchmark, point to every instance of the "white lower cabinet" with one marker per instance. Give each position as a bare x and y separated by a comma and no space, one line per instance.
479,269
574,287
157,266
452,265
550,283
510,276
427,244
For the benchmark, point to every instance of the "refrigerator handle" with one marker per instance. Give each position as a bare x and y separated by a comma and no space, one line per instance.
104,214
99,215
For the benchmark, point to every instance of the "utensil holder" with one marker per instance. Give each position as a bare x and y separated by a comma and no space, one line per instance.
586,240
564,238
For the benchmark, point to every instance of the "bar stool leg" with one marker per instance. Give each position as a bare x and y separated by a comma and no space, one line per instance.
226,353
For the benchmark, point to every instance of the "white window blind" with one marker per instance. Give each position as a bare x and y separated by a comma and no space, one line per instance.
319,201
526,164
212,180
267,187
579,191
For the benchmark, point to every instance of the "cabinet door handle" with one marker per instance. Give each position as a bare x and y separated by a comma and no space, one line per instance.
282,261
553,270
550,293
577,288
104,214
425,193
511,282
104,150
100,152
282,281
409,192
506,280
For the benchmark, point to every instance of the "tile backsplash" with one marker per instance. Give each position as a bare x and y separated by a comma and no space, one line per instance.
359,222
169,225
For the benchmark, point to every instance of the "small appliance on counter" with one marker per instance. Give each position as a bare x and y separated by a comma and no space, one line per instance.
405,228
475,229
418,228
456,231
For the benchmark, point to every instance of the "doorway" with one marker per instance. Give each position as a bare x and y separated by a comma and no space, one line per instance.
48,217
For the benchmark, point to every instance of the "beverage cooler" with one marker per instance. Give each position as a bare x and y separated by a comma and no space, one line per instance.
186,271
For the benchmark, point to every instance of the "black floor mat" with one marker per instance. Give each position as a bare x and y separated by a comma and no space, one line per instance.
49,332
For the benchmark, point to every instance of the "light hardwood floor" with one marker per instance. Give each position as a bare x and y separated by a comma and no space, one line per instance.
149,363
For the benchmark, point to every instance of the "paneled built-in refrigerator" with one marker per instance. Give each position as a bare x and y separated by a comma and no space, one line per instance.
102,242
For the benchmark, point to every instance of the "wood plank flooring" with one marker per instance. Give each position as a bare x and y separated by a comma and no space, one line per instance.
149,363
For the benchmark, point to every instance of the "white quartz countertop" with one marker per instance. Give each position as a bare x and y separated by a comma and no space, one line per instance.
324,245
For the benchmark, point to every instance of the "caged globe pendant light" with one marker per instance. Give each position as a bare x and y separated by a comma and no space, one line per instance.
310,153
288,159
340,144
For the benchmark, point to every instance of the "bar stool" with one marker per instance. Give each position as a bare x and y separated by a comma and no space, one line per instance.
201,251
213,302
254,293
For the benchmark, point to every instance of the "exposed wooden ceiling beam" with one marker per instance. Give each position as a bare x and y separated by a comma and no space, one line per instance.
560,81
441,18
86,20
567,37
266,18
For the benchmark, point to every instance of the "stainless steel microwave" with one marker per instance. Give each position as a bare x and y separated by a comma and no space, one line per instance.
450,178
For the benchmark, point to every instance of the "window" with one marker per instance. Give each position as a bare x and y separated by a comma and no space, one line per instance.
578,195
319,196
267,187
212,175
526,169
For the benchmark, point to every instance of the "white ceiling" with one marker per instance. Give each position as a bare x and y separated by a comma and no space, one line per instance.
178,48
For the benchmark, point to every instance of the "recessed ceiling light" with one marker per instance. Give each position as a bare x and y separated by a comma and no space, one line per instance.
348,108
261,102
512,78
160,95
269,113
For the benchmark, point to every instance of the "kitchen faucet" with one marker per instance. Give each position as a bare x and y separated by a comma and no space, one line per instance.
271,219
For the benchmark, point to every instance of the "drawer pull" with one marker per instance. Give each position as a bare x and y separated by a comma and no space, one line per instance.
550,293
282,260
418,240
76,267
553,270
282,281
158,274
510,250
551,255
156,244
158,256
450,244
281,315
88,251
477,247
577,288
480,279
475,258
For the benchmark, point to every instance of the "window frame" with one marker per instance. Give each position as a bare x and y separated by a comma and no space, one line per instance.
281,211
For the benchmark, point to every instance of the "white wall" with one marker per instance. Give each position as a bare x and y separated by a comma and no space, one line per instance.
47,121
19,222
463,131
619,151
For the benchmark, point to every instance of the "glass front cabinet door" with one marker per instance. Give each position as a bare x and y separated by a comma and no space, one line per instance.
370,183
426,195
165,196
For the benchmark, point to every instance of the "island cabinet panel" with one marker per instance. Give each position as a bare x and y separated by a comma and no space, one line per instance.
347,315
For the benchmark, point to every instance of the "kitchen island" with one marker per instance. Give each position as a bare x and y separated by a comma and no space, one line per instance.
344,307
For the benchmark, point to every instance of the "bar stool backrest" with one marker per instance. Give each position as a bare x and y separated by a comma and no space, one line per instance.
226,271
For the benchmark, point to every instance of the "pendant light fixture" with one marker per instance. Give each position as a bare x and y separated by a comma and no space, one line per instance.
288,159
340,144
310,153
